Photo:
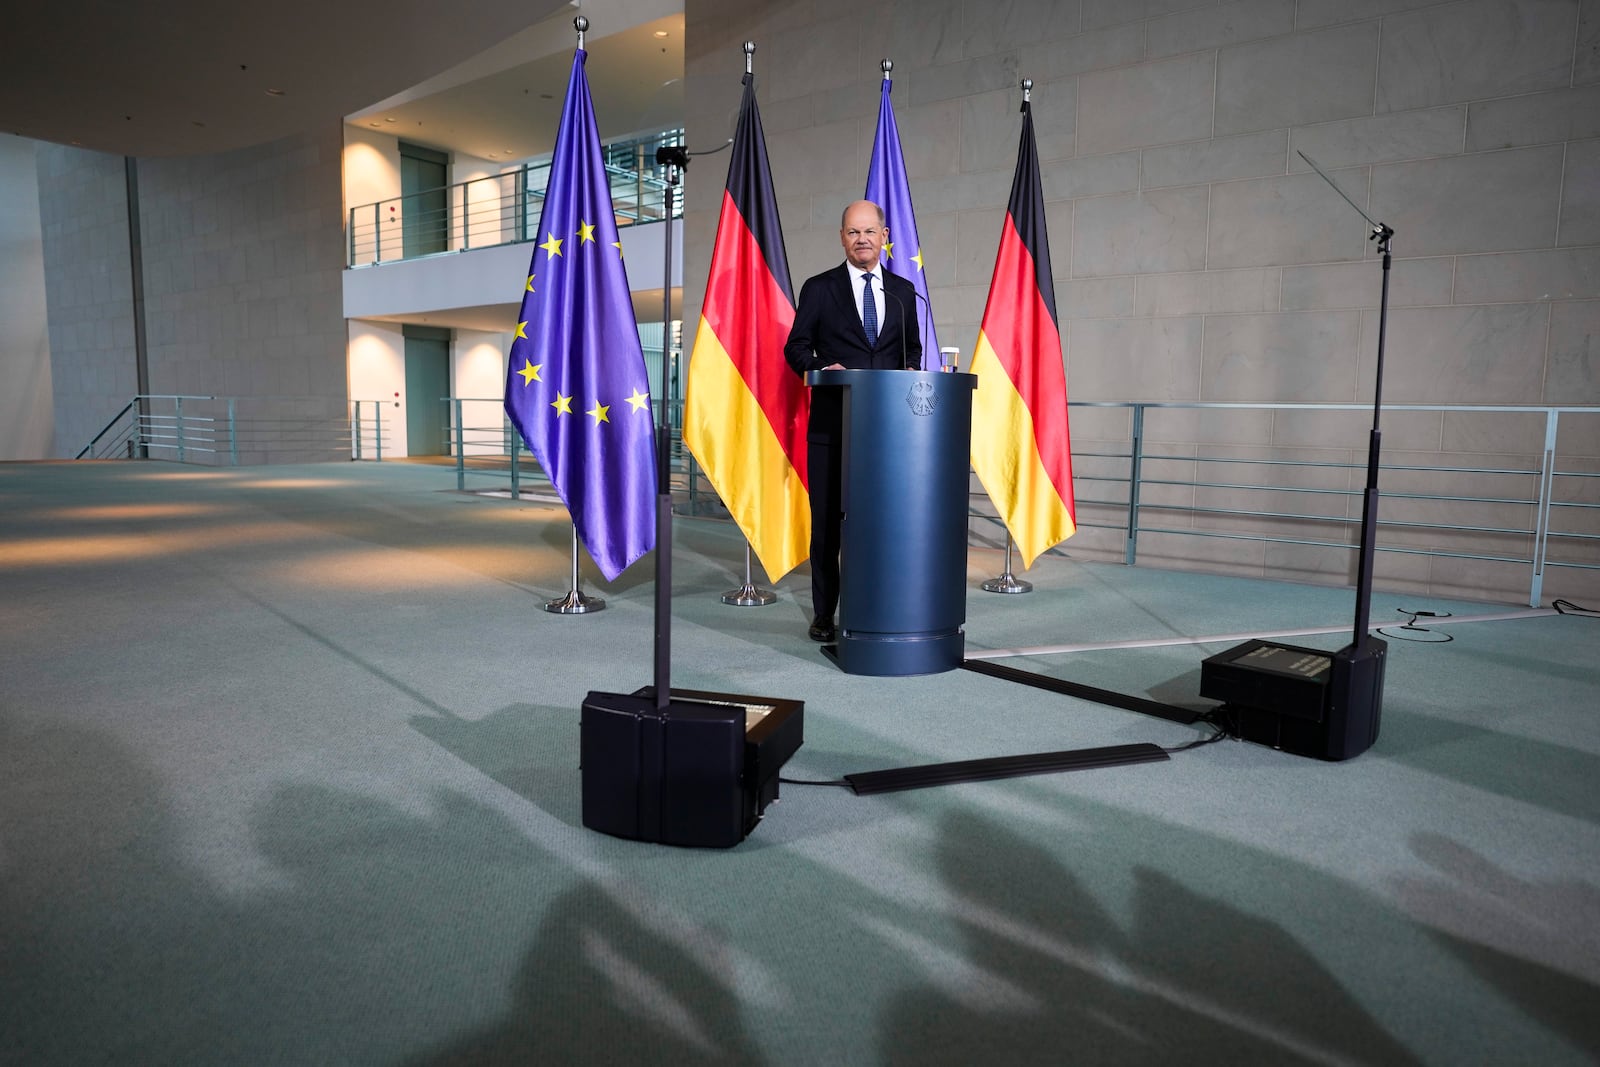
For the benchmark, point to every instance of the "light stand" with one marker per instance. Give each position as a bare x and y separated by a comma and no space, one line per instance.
1304,700
680,767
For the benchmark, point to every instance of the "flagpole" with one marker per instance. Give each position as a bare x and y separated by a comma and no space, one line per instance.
575,602
749,595
1008,582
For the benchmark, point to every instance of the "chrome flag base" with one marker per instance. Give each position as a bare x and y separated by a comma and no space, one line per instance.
1007,582
747,595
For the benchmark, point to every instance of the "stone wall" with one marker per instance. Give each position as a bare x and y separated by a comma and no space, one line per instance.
241,256
1198,257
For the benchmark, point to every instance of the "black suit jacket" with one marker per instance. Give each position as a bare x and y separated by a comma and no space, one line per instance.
827,330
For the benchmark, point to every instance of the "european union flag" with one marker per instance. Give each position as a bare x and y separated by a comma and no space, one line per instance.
902,253
576,388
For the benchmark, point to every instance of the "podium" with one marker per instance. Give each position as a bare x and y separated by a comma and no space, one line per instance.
903,561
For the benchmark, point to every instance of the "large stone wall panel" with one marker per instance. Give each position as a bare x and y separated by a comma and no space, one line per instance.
1537,118
998,25
1208,292
1436,131
1586,66
1252,155
1212,27
1283,221
1549,274
1159,230
1574,371
1580,195
1115,46
1412,283
1148,104
1475,50
1481,354
1296,80
1485,202
1280,357
1134,359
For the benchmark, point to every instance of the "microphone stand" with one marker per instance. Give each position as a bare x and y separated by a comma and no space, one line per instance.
1302,700
903,351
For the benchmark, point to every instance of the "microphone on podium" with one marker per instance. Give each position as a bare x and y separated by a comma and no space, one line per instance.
884,289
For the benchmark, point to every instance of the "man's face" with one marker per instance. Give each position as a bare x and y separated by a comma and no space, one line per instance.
862,236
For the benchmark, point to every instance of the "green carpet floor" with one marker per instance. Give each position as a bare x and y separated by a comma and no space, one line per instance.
288,774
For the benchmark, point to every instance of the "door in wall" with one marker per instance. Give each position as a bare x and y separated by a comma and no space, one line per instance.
425,228
427,382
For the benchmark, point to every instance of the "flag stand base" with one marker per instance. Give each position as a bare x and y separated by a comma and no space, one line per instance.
748,596
1008,582
575,603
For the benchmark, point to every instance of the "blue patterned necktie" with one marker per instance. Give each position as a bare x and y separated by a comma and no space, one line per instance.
869,310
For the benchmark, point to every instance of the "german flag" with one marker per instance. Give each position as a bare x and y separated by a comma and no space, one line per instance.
744,409
1021,449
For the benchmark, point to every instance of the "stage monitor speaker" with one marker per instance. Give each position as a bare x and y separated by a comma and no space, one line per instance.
697,773
1307,701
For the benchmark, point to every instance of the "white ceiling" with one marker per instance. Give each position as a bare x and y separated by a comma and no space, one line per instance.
506,103
189,77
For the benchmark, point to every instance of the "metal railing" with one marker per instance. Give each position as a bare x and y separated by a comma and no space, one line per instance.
1534,508
225,430
500,209
489,451
368,432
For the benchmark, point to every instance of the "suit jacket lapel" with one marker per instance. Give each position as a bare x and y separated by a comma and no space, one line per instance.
844,292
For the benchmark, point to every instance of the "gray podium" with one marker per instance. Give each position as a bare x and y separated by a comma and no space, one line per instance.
903,562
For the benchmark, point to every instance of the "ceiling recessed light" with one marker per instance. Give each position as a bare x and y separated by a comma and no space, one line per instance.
374,125
661,33
389,119
275,92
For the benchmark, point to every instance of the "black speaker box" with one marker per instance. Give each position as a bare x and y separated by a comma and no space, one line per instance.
1307,701
698,772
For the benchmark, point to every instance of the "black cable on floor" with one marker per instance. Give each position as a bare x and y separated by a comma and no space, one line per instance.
1434,638
1221,732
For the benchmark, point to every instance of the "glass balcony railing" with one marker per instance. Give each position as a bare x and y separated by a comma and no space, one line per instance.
501,209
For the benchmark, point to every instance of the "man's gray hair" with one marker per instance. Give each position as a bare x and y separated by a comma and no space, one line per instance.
881,220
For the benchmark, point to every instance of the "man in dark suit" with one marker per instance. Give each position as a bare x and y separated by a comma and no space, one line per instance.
856,316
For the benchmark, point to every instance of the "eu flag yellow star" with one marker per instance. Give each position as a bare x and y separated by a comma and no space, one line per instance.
585,232
640,401
522,330
530,283
598,412
529,372
917,259
618,246
552,244
562,404
888,249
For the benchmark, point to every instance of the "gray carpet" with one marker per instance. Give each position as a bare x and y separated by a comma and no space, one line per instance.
288,774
